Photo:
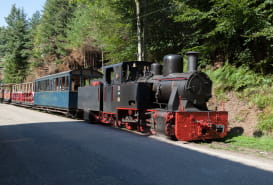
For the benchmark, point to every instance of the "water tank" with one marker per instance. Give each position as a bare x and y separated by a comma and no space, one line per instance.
172,64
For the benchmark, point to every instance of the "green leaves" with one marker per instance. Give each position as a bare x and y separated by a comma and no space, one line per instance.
235,31
51,33
103,25
15,46
238,31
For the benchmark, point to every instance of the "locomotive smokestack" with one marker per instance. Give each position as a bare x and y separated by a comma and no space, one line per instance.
172,64
192,60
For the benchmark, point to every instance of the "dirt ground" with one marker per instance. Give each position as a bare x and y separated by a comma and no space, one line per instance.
240,150
243,118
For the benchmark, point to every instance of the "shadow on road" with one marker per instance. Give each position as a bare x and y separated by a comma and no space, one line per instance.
78,153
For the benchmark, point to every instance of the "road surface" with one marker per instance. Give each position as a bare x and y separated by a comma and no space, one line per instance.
42,149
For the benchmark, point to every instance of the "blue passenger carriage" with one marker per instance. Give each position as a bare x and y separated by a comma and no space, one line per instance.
59,92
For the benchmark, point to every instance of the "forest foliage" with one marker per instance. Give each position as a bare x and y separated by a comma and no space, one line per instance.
238,32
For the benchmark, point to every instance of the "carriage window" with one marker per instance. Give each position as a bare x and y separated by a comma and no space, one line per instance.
47,85
64,83
109,75
44,86
39,86
36,87
125,72
56,83
86,80
117,73
67,83
42,83
59,84
75,83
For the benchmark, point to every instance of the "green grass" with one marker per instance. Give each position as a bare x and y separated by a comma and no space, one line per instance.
264,143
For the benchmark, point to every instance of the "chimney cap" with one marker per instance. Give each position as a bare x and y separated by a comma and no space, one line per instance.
192,53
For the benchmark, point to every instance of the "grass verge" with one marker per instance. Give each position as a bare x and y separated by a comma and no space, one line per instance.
264,143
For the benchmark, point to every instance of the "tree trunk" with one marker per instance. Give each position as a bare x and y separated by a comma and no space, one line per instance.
140,52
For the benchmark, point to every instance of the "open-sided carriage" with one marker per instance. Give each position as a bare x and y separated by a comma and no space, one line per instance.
6,93
23,94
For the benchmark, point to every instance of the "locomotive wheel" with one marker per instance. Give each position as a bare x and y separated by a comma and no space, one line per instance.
140,128
169,132
153,132
116,124
128,126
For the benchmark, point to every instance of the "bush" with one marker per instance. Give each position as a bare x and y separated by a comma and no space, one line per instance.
250,86
266,123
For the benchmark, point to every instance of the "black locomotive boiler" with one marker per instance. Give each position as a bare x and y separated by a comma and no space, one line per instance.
138,96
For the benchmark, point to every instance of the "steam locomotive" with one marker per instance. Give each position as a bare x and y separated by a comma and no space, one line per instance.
139,96
142,96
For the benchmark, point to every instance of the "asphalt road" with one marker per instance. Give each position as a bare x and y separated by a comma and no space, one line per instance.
61,151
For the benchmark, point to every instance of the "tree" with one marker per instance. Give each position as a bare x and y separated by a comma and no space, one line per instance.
16,57
51,32
140,32
34,21
112,26
235,22
262,39
106,25
234,31
162,34
3,41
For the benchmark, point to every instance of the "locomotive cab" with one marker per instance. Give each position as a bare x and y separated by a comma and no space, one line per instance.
122,89
126,72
